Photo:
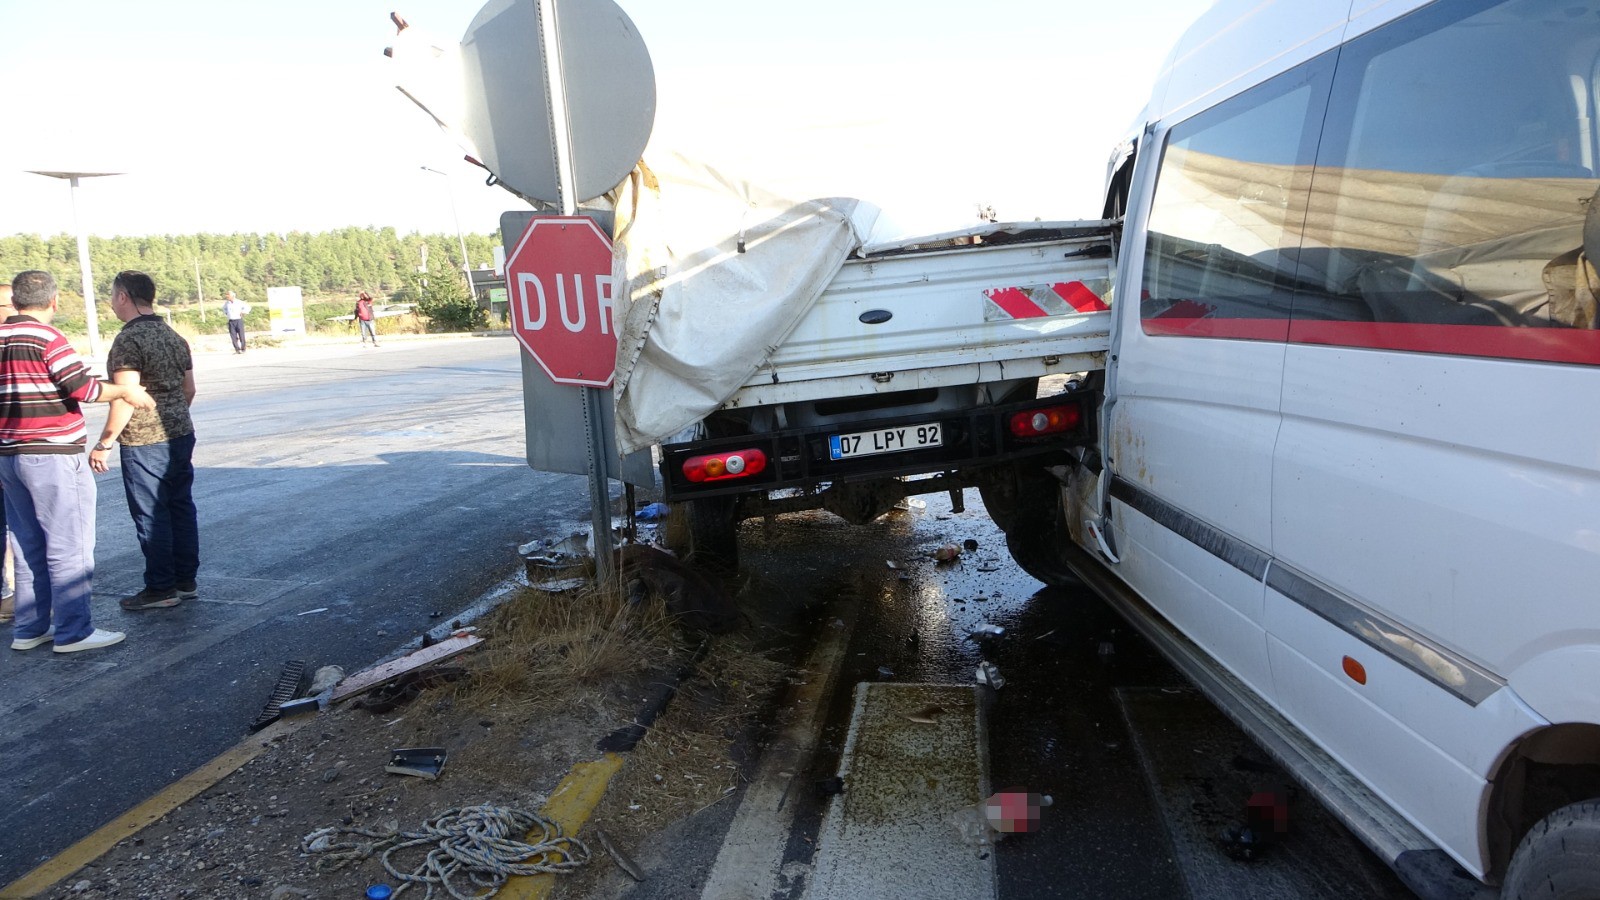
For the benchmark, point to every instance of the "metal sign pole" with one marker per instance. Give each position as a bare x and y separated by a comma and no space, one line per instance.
567,198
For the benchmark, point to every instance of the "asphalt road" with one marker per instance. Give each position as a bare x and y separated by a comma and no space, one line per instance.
346,495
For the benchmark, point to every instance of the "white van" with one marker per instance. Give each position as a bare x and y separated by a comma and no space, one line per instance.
1348,468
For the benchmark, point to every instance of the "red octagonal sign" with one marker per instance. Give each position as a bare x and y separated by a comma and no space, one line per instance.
559,277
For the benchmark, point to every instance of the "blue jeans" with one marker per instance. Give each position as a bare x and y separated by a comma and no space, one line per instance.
49,500
159,482
369,329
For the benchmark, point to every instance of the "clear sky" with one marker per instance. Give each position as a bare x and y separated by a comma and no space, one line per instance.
236,116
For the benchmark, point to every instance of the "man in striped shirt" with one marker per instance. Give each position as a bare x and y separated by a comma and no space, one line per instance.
49,489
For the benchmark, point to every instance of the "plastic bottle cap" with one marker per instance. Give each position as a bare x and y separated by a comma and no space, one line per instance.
380,892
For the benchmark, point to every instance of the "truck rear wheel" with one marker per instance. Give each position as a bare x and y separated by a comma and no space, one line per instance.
1559,858
709,534
1027,507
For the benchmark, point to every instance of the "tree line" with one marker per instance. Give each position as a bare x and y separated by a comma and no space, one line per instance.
323,264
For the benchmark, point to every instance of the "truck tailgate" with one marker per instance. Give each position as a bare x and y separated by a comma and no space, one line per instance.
948,315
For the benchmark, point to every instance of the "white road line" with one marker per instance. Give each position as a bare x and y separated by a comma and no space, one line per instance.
747,866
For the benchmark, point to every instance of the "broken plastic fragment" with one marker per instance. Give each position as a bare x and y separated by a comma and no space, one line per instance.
989,674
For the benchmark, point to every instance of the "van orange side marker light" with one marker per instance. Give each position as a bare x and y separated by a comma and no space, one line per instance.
1356,671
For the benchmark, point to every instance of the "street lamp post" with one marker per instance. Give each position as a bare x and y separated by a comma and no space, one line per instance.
91,317
466,265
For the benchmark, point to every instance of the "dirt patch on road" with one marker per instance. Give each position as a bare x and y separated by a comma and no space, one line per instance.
556,673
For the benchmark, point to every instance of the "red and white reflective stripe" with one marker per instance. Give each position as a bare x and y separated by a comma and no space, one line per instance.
1060,299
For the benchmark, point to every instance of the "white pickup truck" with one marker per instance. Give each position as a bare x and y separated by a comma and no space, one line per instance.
916,370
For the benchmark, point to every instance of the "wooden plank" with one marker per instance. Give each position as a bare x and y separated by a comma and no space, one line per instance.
371,678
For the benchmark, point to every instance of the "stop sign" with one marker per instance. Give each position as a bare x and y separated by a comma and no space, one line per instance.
559,277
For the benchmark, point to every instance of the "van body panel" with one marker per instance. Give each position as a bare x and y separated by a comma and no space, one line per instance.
1214,604
1441,797
1234,45
1560,684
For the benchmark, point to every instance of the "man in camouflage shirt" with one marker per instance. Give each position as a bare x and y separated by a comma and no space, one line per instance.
157,445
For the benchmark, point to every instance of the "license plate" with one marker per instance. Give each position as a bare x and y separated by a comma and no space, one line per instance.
885,440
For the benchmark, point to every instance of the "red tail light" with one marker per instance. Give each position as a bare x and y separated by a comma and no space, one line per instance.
724,466
1050,420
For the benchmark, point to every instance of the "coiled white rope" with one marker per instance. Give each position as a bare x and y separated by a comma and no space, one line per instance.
484,845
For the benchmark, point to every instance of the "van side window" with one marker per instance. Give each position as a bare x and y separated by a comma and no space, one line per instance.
1452,183
1229,205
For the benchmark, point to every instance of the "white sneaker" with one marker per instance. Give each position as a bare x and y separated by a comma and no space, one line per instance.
30,643
99,638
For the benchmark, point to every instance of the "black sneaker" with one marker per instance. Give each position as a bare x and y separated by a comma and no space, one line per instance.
149,599
187,590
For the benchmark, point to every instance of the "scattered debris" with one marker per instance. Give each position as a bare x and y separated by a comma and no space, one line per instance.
406,687
928,715
947,553
325,678
360,682
320,609
974,827
831,787
422,762
559,585
379,892
653,512
970,544
299,707
289,686
885,672
989,674
986,631
1014,812
623,860
891,564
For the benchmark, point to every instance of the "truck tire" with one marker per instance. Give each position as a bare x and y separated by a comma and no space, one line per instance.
1028,509
713,533
1559,858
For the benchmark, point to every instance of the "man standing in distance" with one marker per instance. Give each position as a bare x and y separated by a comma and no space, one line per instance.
157,445
49,489
235,309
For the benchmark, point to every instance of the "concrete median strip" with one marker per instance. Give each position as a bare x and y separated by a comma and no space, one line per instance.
890,833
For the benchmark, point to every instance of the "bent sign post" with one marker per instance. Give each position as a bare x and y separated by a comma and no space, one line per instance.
559,281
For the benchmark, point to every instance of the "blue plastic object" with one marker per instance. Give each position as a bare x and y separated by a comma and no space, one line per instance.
652,513
380,892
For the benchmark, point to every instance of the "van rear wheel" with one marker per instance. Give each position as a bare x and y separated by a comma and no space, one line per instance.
1559,858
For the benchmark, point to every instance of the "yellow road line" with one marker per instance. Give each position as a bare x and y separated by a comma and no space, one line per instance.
574,800
135,820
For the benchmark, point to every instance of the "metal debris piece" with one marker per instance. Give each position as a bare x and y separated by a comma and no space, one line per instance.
299,707
423,762
928,715
289,686
623,861
989,674
986,631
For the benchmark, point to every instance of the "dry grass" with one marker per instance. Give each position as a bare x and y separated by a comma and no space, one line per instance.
548,649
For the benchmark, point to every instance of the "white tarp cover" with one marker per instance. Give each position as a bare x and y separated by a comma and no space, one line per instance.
697,317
